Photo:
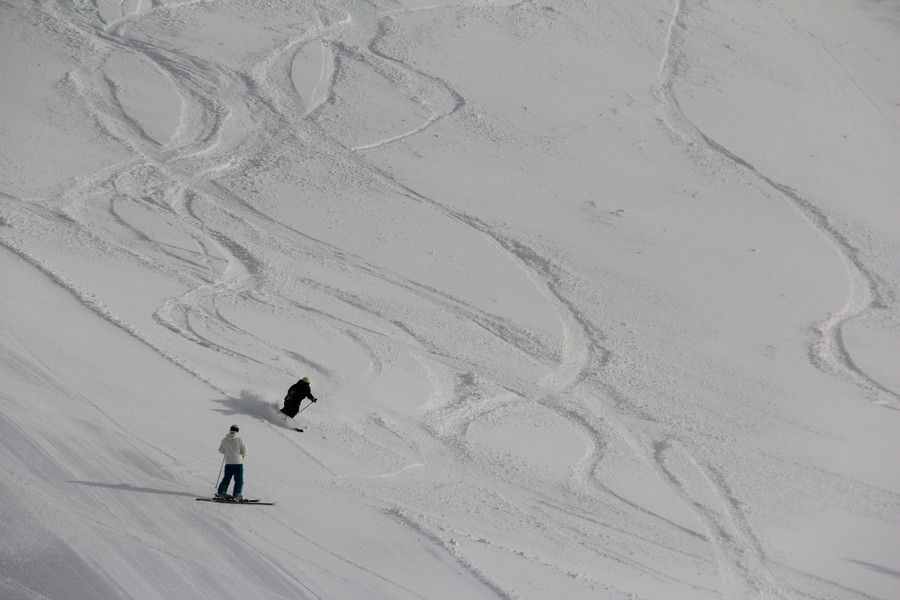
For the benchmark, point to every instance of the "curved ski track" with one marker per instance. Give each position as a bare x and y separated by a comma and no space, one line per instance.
234,242
867,292
745,570
213,95
184,168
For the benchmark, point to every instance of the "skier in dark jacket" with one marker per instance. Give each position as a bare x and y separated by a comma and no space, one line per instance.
295,395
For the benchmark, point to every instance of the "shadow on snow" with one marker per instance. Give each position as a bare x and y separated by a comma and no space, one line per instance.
125,487
254,405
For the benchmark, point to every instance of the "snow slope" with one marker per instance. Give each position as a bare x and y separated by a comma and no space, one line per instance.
599,298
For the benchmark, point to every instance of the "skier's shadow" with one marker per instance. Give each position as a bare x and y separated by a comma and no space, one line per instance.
125,487
251,405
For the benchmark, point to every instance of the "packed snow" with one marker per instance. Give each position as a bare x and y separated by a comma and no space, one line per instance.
599,299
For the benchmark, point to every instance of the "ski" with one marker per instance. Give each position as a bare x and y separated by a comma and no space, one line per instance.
289,423
256,501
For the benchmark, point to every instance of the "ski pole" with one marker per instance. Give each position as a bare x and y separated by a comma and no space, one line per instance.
219,476
304,408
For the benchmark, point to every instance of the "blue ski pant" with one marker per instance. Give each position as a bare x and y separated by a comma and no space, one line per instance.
236,471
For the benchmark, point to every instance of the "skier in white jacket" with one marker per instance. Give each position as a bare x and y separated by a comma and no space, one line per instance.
233,448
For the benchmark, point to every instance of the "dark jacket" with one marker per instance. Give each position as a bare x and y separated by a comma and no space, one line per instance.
296,394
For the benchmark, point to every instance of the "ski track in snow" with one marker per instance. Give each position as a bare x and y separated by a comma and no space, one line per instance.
196,138
198,134
582,345
229,264
456,99
745,570
866,294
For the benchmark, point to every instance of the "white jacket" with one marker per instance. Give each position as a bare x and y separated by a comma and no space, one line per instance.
233,448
